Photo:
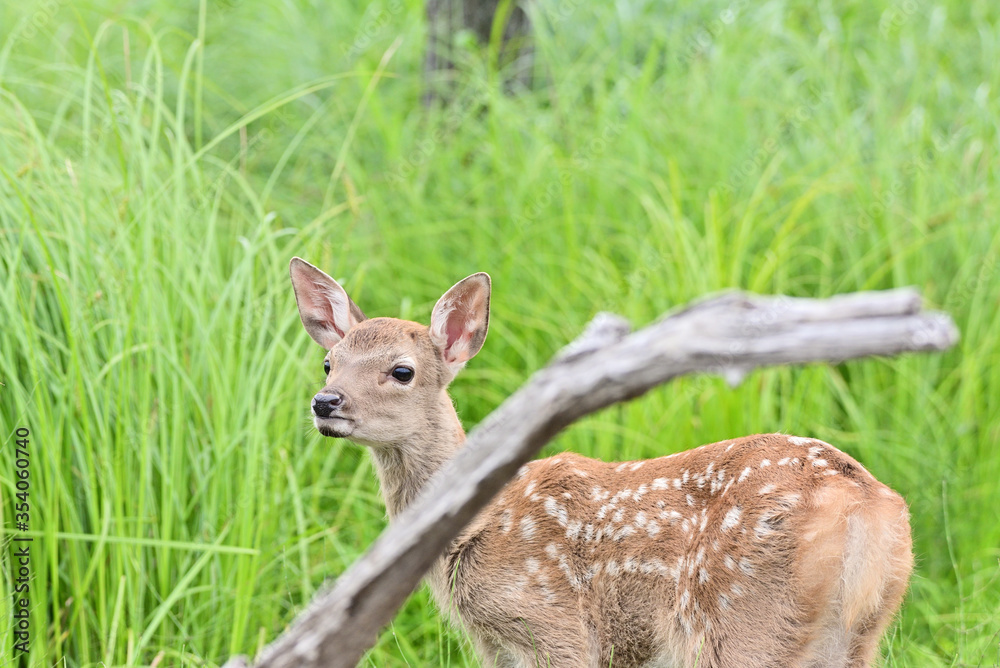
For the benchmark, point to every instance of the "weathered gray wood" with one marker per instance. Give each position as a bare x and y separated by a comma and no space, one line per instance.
729,335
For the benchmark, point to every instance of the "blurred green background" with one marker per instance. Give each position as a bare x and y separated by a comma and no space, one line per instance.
161,162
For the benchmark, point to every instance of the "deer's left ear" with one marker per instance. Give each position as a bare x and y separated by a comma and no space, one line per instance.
460,320
326,311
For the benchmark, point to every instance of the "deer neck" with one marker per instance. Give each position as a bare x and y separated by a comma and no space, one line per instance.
404,468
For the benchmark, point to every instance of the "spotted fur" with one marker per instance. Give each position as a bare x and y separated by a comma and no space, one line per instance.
763,551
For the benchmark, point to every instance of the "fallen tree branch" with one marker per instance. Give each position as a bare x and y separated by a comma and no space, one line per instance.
727,335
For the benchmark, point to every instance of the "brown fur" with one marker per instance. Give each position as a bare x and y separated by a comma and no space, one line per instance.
763,551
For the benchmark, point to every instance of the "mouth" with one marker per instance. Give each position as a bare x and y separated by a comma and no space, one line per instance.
335,427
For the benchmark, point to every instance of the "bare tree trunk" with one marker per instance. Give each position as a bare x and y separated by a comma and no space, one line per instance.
445,18
728,335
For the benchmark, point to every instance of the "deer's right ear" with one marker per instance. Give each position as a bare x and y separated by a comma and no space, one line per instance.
326,311
460,320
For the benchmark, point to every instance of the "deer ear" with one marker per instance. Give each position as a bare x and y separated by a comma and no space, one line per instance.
326,311
460,320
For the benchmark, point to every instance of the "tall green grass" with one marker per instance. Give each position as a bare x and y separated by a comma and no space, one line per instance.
161,162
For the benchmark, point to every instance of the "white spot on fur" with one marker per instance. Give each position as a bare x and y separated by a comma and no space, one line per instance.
621,496
621,467
830,472
767,489
649,567
783,461
729,562
506,520
624,532
798,440
690,500
573,529
736,589
732,518
531,565
765,462
702,576
677,483
556,510
612,568
815,452
530,488
819,462
567,495
636,466
685,599
764,528
574,581
745,566
527,528
640,519
723,601
660,484
652,528
582,474
744,474
671,515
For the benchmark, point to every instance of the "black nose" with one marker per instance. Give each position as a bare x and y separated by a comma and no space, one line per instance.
325,404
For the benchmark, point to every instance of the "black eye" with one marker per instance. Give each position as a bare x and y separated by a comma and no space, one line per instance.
326,366
403,374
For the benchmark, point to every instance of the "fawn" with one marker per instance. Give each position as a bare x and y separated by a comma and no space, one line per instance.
767,550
